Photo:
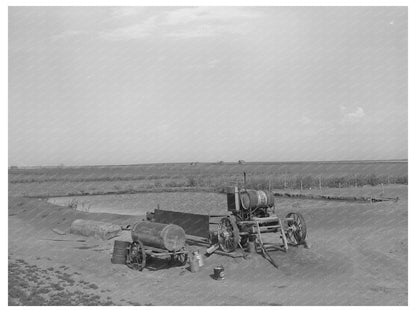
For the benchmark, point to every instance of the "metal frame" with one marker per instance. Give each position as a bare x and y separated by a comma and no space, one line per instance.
148,251
243,225
248,225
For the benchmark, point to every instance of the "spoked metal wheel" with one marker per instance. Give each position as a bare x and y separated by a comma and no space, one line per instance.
296,228
228,234
136,257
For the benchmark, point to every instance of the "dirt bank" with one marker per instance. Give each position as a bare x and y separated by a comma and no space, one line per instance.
358,256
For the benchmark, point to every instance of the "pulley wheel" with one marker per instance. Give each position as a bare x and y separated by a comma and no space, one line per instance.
228,234
296,230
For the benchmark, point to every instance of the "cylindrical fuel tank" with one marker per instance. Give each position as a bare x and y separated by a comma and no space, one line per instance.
252,199
159,235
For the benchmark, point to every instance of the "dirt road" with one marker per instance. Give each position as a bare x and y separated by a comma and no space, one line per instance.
358,256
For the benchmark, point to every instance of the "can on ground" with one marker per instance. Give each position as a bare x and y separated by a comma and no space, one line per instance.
219,272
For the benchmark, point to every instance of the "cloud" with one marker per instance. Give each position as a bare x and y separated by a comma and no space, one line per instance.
69,33
182,23
208,65
136,31
305,120
357,114
122,12
207,14
129,23
202,31
353,116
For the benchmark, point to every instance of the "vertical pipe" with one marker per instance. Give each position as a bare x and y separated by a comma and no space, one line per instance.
237,199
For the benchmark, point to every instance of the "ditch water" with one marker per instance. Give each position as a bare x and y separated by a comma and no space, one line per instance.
139,204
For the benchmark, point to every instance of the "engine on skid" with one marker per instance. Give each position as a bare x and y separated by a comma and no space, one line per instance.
246,204
252,213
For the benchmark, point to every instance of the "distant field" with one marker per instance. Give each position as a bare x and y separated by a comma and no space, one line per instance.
285,175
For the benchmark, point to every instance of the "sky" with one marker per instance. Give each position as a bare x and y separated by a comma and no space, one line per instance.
125,85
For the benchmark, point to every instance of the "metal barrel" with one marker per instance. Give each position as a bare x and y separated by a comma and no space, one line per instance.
165,236
252,199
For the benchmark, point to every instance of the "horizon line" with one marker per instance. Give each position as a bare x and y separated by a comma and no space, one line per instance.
238,162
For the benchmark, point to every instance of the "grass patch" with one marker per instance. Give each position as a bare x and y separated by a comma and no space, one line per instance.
93,286
26,287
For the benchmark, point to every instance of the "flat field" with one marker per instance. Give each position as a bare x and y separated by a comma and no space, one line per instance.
357,255
203,176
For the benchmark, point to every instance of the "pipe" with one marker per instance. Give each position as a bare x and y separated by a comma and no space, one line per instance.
237,199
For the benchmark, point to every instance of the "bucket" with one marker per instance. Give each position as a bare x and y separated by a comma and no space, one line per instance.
219,272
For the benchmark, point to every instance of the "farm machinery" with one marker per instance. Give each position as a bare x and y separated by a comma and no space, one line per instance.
251,216
250,220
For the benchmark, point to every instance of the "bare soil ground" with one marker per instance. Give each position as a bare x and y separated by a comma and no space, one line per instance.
358,256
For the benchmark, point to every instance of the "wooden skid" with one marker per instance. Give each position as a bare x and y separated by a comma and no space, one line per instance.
266,220
154,251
